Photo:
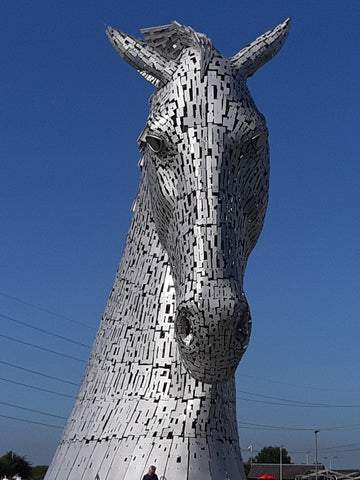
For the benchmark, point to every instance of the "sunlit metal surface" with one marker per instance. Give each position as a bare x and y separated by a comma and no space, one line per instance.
159,385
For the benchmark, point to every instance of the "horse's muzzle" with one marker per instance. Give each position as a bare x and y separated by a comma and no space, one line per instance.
212,337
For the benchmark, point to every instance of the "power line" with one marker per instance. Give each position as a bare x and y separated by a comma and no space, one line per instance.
284,401
20,322
346,447
291,403
37,388
46,310
244,425
38,373
42,348
335,448
31,421
312,387
257,426
355,426
60,315
32,410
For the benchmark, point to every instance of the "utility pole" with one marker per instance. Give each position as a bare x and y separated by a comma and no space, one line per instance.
329,458
316,458
250,448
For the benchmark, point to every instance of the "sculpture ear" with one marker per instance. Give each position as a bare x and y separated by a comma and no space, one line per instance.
261,50
148,61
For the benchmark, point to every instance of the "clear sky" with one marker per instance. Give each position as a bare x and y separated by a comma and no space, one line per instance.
70,114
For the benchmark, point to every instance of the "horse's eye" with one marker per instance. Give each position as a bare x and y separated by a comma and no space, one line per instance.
155,143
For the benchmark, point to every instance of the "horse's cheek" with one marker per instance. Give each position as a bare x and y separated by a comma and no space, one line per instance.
162,201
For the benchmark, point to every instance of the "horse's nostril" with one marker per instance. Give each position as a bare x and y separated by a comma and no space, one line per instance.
184,328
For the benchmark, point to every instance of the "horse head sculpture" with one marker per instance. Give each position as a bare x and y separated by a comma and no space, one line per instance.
206,169
198,214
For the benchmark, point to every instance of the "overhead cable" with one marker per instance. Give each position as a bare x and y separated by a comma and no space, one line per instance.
46,310
42,348
36,388
20,322
292,403
32,410
31,421
38,373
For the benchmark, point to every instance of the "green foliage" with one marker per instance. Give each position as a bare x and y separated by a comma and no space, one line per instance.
38,473
12,464
272,455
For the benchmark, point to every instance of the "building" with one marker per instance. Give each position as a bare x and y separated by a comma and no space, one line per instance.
289,470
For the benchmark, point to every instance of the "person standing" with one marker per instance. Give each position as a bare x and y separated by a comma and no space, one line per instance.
151,475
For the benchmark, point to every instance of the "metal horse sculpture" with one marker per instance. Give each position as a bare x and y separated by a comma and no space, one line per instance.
159,386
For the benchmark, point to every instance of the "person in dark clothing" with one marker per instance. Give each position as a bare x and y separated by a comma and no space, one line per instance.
151,475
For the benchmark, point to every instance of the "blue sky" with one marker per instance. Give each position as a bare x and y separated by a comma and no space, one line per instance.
70,113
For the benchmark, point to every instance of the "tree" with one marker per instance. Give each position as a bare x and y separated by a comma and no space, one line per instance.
38,473
12,464
272,455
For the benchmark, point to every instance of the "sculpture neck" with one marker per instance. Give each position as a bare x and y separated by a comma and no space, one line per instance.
136,387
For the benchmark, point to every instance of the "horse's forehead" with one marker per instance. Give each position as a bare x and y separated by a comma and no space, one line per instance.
192,72
190,84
